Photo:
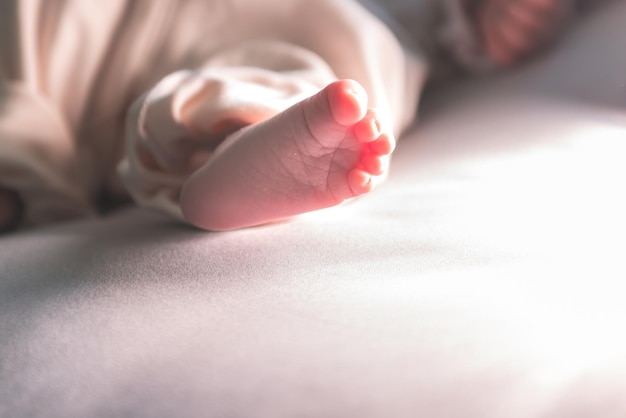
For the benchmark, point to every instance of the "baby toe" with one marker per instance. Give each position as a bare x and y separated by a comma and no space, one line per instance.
360,182
369,128
374,164
346,100
383,145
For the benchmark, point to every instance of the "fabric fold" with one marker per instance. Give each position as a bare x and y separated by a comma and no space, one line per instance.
35,158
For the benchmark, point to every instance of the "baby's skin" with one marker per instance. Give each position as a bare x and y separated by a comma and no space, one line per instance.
318,153
511,30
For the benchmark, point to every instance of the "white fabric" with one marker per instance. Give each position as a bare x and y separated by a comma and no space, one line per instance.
80,67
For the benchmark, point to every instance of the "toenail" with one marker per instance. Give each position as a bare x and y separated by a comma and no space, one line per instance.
376,128
352,92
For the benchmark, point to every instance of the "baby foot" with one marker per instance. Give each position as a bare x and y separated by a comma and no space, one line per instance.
513,29
316,154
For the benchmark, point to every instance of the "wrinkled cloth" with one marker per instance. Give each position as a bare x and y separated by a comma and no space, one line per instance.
130,97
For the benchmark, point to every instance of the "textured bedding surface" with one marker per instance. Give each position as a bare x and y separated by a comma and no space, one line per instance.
484,279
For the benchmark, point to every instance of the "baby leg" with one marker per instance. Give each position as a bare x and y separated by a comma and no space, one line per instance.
513,29
316,154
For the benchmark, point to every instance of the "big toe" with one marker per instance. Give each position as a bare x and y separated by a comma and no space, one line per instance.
329,114
344,100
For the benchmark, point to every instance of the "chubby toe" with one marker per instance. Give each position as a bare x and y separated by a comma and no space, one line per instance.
347,101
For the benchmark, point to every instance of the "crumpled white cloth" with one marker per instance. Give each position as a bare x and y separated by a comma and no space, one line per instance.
29,164
71,73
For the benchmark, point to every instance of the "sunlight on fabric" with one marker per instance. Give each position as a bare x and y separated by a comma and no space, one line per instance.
550,201
550,323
